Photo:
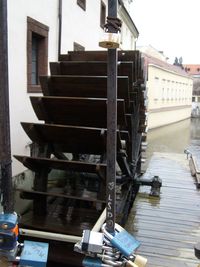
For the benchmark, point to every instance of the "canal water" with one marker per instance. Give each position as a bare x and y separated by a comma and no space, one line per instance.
173,138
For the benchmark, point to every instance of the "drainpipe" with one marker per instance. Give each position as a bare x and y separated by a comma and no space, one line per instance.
6,190
59,28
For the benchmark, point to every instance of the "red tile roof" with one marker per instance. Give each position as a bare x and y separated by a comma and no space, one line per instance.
192,69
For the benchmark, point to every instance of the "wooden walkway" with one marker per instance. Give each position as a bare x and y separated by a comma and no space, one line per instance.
169,226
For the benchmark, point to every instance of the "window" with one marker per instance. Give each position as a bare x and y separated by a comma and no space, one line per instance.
78,47
156,88
168,96
82,4
37,53
163,94
102,14
34,60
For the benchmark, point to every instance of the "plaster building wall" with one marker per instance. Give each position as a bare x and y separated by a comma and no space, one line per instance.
128,35
81,26
84,26
194,71
46,12
169,96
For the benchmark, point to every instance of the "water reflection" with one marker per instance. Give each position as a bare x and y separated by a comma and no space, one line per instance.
173,138
195,129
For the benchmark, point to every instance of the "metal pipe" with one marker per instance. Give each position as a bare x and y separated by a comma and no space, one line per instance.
111,126
5,147
100,222
49,235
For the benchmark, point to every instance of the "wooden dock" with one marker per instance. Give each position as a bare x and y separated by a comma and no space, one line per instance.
194,163
169,226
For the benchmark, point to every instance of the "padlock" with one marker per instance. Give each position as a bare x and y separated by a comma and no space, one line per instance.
34,254
8,240
121,240
130,264
110,40
8,220
91,243
8,231
140,261
136,260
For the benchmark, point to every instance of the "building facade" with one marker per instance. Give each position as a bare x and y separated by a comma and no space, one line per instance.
194,71
38,31
169,91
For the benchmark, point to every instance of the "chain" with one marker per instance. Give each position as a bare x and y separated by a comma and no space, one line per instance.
113,25
4,167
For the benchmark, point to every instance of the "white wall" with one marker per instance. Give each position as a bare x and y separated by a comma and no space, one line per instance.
44,11
81,26
169,96
162,118
129,32
84,26
127,38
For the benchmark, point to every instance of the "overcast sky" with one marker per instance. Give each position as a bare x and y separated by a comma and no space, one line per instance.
172,26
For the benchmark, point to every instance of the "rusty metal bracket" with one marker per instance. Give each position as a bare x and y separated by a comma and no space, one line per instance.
155,182
197,250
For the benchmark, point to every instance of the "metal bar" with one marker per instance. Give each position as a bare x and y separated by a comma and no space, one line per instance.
100,222
60,28
111,127
49,235
5,148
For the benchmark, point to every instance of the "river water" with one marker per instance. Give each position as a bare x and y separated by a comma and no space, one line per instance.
173,138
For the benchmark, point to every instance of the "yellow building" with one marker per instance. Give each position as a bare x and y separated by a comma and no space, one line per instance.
169,91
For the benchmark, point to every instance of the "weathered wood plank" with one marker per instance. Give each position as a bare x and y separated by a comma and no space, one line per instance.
92,68
30,194
78,111
70,139
169,226
83,86
78,166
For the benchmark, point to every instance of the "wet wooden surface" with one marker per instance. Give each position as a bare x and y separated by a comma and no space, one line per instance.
169,226
194,150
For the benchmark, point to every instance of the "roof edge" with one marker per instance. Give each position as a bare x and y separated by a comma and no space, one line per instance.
121,3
